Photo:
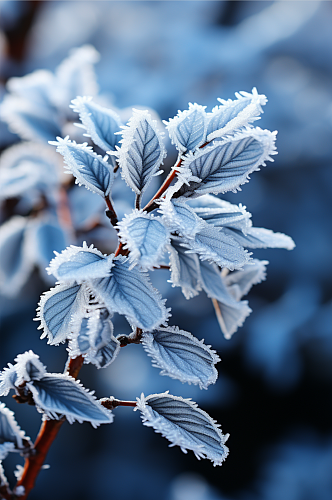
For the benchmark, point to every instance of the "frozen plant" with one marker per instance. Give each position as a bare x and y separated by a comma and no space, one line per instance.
184,228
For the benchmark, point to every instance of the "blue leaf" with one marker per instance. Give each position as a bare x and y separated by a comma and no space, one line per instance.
187,130
59,394
106,355
181,356
233,115
129,292
93,338
225,165
17,261
180,217
90,169
11,436
28,121
16,181
218,247
100,123
56,308
184,268
80,264
220,213
259,237
27,170
145,236
142,151
76,76
230,313
240,282
184,425
28,367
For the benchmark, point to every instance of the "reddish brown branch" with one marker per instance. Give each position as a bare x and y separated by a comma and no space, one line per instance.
111,213
110,403
47,433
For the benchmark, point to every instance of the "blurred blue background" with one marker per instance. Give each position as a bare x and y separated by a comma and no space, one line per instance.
274,387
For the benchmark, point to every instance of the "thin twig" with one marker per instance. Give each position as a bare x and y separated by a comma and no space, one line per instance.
138,201
111,403
47,433
111,213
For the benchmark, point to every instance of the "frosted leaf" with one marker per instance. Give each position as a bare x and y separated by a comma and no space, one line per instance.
219,247
100,123
76,76
181,356
14,182
129,292
90,169
11,436
230,313
30,122
181,218
59,395
28,367
142,151
184,425
93,338
225,165
232,115
213,283
56,308
240,282
17,260
105,355
220,213
145,236
26,166
187,130
8,379
184,268
79,343
259,237
80,264
35,87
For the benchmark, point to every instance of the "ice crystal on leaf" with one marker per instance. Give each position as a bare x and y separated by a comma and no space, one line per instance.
184,425
57,394
226,165
78,264
181,356
90,169
145,236
101,124
233,115
129,292
142,151
11,436
187,130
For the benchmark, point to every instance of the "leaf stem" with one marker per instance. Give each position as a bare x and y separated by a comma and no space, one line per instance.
47,433
111,403
111,213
